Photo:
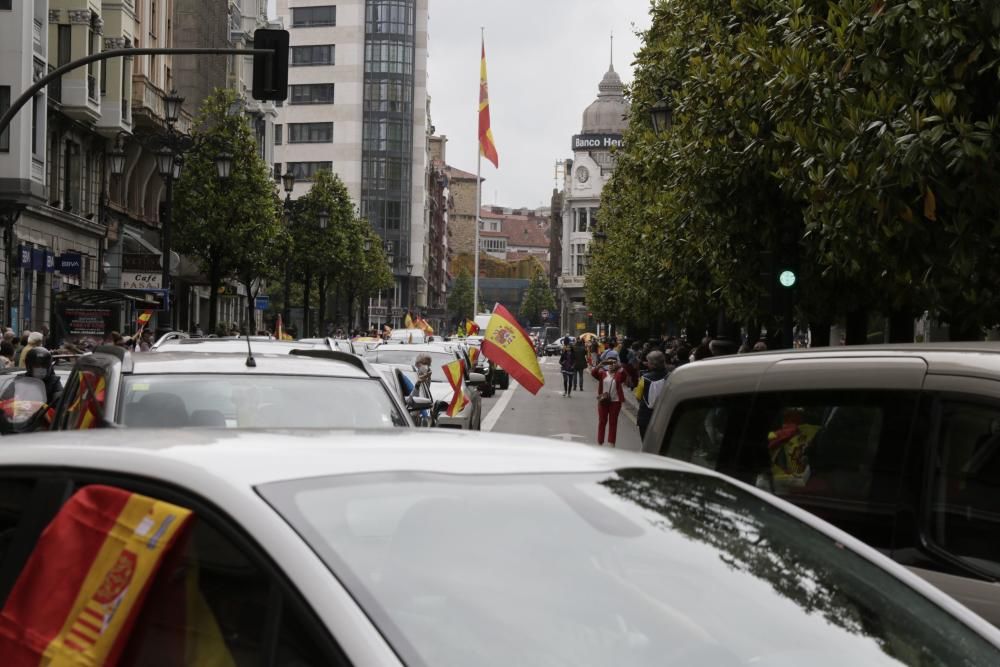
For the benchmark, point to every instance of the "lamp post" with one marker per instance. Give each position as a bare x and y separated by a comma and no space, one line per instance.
661,115
288,184
391,258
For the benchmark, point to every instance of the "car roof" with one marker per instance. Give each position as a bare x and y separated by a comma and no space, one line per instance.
234,362
250,458
416,347
216,345
975,359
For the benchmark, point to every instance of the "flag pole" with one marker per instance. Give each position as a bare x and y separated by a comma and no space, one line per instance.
479,204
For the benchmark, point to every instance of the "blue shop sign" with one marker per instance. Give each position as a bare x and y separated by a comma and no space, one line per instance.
37,259
262,302
24,257
68,263
50,261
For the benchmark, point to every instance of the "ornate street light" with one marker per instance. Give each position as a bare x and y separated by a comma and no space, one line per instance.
165,162
178,163
662,116
323,218
224,164
116,159
368,244
409,269
172,107
288,181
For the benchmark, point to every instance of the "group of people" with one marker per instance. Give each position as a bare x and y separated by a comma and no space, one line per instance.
29,352
640,367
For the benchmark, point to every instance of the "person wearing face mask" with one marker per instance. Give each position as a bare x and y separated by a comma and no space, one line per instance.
38,362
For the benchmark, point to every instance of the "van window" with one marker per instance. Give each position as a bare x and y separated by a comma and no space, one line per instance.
965,493
838,454
704,431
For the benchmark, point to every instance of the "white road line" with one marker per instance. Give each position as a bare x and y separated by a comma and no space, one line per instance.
494,415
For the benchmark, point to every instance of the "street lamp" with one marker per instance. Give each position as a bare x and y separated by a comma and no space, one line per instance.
172,107
178,164
661,115
165,163
409,269
323,218
116,158
224,164
288,182
368,244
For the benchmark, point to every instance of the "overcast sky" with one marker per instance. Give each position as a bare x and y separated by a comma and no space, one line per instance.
545,59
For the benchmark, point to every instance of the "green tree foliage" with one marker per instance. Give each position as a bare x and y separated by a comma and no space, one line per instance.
866,133
460,303
232,227
537,298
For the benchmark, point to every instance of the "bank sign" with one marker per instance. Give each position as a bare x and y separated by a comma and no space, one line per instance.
597,142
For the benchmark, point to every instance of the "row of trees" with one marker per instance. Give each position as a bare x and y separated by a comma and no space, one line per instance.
239,228
854,140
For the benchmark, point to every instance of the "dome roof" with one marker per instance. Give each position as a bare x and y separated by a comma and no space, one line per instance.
606,115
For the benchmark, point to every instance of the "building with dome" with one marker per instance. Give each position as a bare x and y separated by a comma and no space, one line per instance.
604,122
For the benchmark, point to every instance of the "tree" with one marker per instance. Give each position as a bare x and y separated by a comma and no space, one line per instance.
373,273
460,303
231,227
537,298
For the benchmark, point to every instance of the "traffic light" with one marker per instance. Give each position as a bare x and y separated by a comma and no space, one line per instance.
270,71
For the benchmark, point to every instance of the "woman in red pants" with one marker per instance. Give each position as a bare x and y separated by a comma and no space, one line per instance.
611,378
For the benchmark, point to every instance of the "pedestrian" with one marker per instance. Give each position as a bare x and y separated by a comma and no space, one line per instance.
610,395
760,346
579,364
34,340
566,366
6,354
146,340
38,361
650,387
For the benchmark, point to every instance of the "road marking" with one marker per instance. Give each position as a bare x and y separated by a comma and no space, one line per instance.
567,436
497,410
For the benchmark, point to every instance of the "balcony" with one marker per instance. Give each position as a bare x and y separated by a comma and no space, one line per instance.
147,101
37,38
79,96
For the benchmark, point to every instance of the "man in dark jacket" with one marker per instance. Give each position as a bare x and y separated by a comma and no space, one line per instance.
652,383
579,364
38,361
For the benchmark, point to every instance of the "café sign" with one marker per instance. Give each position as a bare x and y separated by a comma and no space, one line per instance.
141,280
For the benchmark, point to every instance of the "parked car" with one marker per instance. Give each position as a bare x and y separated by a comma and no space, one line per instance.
471,416
309,388
407,337
898,445
495,375
430,548
555,347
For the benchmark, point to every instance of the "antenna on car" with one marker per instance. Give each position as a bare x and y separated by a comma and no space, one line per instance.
251,363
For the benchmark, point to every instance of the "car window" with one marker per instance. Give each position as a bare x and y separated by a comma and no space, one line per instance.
256,401
838,454
628,567
965,492
701,429
401,355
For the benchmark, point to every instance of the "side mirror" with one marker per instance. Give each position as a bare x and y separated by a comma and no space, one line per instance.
418,403
476,379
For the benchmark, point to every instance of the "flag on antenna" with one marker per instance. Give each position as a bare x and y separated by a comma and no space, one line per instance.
486,145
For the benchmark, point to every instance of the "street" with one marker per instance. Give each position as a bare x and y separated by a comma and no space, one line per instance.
550,415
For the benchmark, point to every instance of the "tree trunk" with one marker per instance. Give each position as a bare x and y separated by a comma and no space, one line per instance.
337,321
857,327
306,319
901,326
214,281
322,304
251,311
820,330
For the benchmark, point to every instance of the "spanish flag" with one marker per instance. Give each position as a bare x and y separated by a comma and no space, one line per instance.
471,328
486,146
144,318
455,372
78,596
473,356
508,345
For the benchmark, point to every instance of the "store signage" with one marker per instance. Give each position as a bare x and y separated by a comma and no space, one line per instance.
262,302
398,312
81,321
37,259
141,280
50,261
378,311
24,257
145,262
597,142
69,263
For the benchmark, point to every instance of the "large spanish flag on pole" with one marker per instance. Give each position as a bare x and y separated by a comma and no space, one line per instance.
486,145
508,345
78,596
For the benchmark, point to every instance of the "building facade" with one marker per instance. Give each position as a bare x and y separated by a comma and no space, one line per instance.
358,106
437,246
513,235
592,165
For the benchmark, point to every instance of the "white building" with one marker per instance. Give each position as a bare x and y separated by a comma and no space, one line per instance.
604,121
357,105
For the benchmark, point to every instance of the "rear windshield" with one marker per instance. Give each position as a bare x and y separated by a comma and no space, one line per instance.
256,401
634,567
401,355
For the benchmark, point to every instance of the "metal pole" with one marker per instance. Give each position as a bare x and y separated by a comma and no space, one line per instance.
479,194
167,222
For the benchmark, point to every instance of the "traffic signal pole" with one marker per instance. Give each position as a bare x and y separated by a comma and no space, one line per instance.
33,90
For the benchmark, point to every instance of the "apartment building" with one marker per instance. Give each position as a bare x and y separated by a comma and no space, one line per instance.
357,106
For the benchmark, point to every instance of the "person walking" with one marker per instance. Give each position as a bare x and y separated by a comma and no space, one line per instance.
35,339
579,364
566,365
610,395
650,387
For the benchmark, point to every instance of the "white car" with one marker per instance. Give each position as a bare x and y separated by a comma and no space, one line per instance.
432,548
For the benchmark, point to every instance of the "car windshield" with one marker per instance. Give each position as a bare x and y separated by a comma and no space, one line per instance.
396,355
634,567
256,401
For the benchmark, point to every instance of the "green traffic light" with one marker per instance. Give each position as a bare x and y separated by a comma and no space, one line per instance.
787,278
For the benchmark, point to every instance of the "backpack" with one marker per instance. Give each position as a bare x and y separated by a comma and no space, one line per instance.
655,387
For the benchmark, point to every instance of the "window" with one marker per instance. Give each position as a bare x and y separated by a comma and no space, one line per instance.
277,171
700,429
582,220
5,4
390,16
312,55
4,105
578,259
495,245
310,133
37,109
965,495
304,17
277,134
389,57
304,171
313,93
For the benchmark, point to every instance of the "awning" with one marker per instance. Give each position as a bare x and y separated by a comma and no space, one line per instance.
100,297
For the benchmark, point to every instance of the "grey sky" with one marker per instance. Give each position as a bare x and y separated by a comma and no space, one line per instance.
544,60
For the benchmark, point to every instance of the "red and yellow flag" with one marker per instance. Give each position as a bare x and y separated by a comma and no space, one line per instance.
144,318
473,356
487,148
509,346
471,328
455,372
77,598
